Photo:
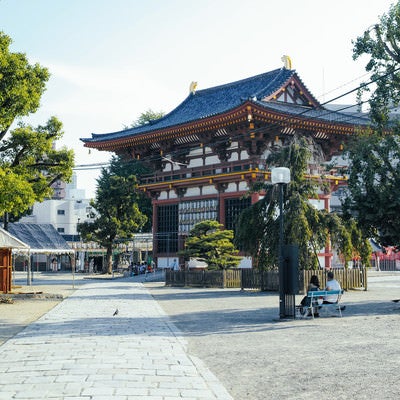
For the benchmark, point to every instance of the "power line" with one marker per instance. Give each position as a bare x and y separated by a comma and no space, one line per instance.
84,167
343,85
363,85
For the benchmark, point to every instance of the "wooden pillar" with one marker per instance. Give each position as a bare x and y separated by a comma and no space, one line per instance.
155,228
5,270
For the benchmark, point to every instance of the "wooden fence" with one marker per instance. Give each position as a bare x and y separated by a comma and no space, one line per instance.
251,279
355,278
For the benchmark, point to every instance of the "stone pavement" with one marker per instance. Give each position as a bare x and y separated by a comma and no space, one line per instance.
80,350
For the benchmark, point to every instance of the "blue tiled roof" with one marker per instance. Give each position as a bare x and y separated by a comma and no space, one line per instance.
39,236
321,114
209,102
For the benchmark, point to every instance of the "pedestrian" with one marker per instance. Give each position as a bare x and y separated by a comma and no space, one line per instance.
175,266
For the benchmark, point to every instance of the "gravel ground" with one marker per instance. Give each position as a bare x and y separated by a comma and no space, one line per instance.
255,355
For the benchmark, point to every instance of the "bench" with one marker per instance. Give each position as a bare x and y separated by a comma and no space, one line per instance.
315,300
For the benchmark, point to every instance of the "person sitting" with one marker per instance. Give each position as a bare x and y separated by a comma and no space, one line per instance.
331,284
314,284
305,302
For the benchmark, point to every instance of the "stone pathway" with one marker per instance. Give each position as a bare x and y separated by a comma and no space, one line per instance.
81,350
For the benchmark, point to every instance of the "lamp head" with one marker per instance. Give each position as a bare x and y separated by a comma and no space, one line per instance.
280,175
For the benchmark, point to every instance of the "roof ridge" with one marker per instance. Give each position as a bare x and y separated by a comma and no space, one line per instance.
240,81
197,92
208,102
272,82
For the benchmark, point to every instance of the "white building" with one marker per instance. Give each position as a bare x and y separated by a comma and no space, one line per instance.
64,214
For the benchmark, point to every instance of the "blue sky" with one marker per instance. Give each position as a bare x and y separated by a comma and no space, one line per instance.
110,60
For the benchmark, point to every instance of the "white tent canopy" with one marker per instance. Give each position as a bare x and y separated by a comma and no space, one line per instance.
9,241
40,238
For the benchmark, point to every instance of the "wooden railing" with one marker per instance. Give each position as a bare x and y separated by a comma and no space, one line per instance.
251,279
195,172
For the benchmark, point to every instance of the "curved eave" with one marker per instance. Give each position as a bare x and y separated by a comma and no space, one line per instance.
235,116
240,115
293,122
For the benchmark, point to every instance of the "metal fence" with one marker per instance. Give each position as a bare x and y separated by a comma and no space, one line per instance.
386,264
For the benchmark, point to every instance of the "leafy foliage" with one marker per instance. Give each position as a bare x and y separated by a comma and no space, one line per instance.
374,186
208,243
29,162
258,227
118,213
146,117
374,181
21,85
380,43
128,168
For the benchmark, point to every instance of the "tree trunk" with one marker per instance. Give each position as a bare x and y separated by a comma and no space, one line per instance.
108,267
5,221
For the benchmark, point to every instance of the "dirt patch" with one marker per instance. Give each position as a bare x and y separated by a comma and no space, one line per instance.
27,304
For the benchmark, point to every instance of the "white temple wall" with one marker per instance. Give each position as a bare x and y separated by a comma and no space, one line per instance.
192,192
195,162
209,190
244,155
210,160
163,195
231,188
243,186
234,157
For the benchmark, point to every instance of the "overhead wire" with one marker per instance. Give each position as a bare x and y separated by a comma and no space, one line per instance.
343,85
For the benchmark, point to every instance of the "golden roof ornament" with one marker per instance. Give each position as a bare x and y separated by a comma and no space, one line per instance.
192,88
287,62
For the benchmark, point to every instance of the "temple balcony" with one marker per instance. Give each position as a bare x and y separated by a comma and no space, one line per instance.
245,170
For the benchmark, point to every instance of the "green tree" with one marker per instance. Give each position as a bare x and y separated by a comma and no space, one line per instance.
209,243
374,179
118,214
258,227
29,165
374,186
21,85
29,162
146,117
380,43
127,168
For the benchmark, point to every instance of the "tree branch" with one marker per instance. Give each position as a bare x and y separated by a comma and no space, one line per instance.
395,57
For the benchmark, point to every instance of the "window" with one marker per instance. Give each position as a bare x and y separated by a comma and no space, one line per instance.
60,230
167,236
233,207
60,212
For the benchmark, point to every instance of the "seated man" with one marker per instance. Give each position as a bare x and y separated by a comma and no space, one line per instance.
331,284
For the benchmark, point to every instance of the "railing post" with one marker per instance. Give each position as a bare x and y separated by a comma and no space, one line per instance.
223,278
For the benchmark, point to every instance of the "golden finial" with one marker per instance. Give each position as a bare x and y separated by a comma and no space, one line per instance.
193,87
287,62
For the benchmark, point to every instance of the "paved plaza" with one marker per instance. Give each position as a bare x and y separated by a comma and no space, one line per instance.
81,350
197,343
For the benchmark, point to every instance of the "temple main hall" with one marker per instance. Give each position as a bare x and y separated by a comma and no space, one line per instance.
206,153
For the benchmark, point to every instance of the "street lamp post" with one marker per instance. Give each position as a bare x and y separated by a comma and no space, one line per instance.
281,176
